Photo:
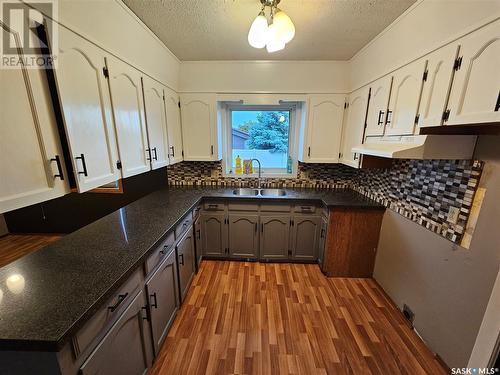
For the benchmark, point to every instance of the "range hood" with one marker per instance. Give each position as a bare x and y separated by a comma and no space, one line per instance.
419,147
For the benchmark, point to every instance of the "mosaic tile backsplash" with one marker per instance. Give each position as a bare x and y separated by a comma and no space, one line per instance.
420,190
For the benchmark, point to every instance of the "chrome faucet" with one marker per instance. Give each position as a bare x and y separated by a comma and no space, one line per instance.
258,181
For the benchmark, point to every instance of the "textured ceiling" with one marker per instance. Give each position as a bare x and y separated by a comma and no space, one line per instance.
217,29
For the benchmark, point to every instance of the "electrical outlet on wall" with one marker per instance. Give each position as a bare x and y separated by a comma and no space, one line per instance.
453,213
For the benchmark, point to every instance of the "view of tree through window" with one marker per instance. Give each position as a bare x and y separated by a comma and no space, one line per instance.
261,135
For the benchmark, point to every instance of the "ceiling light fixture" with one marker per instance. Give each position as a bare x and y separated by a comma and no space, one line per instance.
274,33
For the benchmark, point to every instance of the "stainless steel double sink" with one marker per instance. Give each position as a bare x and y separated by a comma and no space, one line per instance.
261,192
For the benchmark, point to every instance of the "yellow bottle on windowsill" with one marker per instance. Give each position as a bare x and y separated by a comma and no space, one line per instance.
238,165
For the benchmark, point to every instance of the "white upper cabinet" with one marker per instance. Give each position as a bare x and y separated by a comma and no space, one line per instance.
324,128
475,93
379,102
405,99
199,127
437,83
84,96
172,104
128,114
354,125
156,121
31,160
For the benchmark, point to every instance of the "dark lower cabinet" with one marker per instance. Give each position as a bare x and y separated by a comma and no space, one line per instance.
322,242
163,294
197,243
243,235
274,237
304,239
126,348
185,262
213,234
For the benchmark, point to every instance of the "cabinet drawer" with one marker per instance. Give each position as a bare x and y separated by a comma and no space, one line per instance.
305,208
185,224
160,252
243,207
275,207
108,313
213,206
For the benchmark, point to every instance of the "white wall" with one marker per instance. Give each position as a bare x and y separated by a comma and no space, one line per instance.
423,27
265,76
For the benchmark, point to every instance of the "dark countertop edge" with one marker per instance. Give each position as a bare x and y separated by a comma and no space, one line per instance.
56,346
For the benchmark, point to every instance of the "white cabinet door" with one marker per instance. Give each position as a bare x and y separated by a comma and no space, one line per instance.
379,101
405,99
172,103
126,98
29,142
324,128
475,93
354,125
156,121
199,127
439,75
84,96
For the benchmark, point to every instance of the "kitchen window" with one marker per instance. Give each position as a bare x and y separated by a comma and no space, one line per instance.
265,133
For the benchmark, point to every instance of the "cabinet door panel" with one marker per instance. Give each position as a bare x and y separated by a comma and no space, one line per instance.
379,102
405,99
199,126
185,262
475,93
324,128
437,86
163,299
156,122
213,234
354,125
126,348
28,139
243,235
131,133
322,242
305,237
86,108
173,126
274,237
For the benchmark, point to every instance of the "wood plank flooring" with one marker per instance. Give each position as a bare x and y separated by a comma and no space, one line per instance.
14,246
253,318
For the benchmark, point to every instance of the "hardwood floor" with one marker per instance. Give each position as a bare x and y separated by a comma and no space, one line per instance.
14,246
253,318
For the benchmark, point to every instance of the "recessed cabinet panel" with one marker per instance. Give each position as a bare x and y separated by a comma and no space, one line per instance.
437,86
379,102
156,122
172,102
405,99
213,234
324,128
475,93
243,235
274,236
128,114
305,236
185,262
29,143
199,128
84,96
354,125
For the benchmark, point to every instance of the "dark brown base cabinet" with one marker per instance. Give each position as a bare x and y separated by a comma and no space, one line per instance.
185,262
213,234
275,237
243,235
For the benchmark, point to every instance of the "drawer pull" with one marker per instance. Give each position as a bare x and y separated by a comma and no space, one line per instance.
164,250
213,205
306,208
198,233
181,259
155,304
145,308
121,298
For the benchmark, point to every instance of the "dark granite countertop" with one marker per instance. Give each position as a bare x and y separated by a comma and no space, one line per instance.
60,286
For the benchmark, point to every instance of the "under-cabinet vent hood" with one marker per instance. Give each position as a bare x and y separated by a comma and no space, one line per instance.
419,147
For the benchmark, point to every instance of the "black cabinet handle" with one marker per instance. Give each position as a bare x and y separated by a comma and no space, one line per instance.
262,227
256,225
388,117
322,233
198,234
156,155
148,158
164,250
309,152
155,304
181,257
355,156
380,121
121,298
59,167
173,151
497,106
82,158
214,206
211,150
147,313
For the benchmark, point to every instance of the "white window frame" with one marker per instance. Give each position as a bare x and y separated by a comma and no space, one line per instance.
226,108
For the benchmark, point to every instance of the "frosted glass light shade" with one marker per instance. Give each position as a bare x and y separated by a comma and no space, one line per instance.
284,25
273,42
257,36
